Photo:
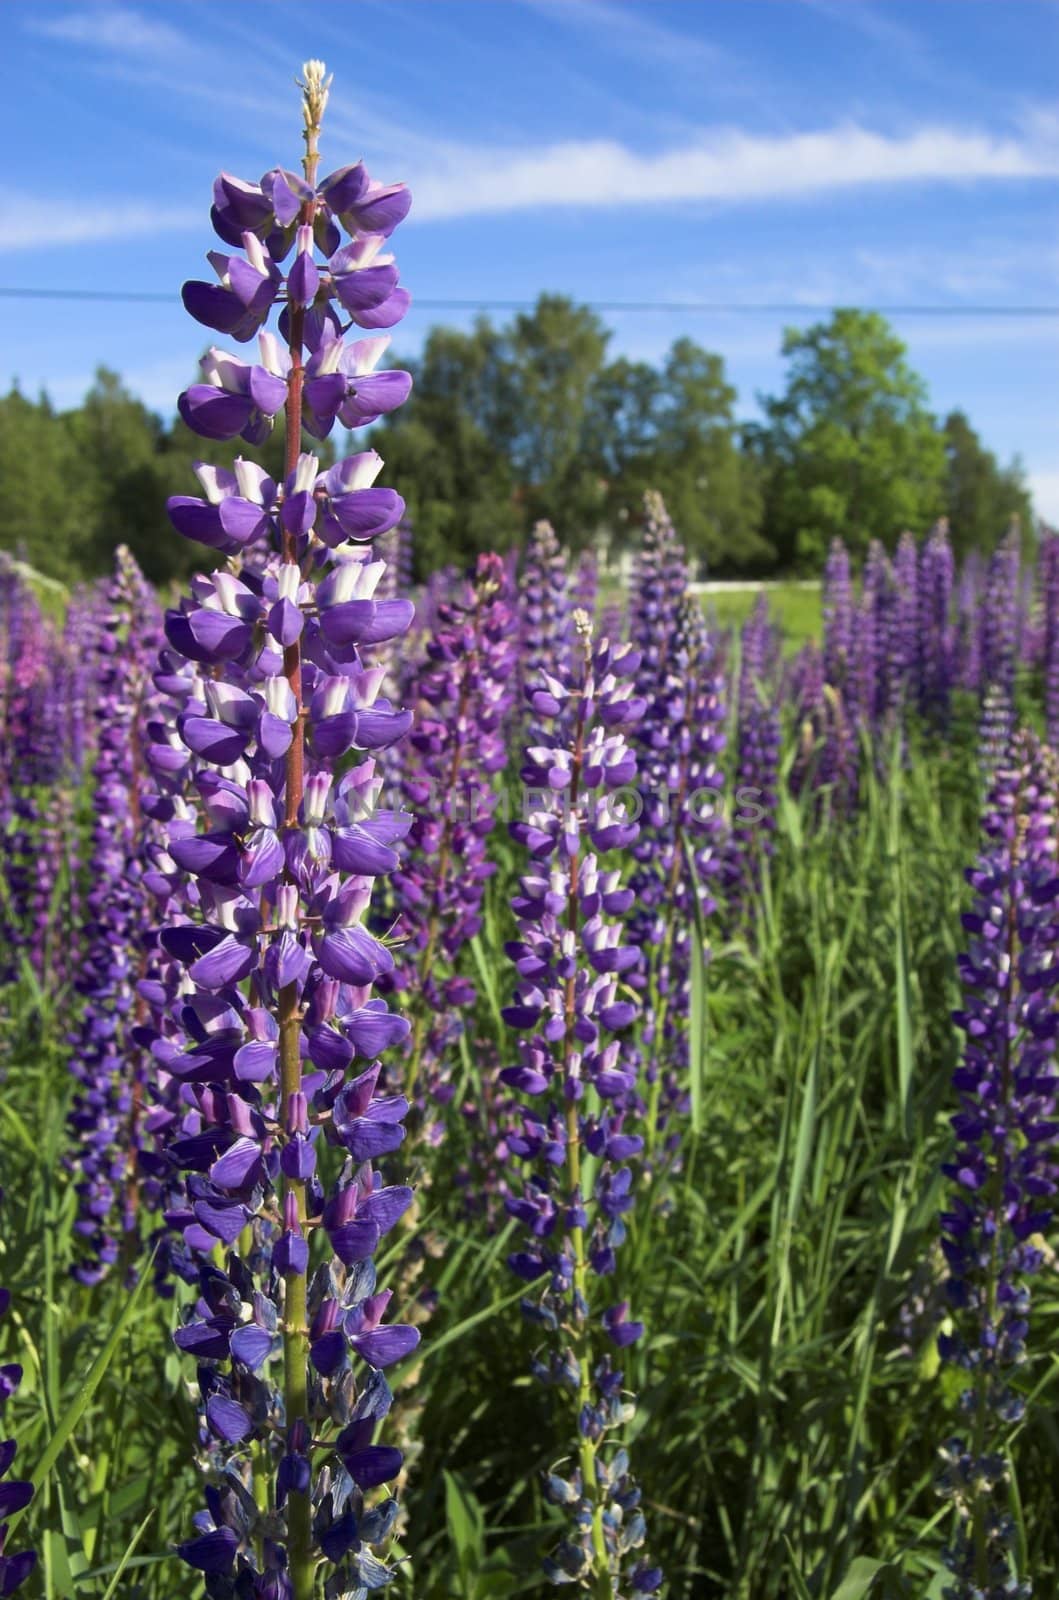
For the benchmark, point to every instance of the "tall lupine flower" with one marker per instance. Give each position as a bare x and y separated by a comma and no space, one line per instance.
903,641
275,1002
586,583
757,756
1004,1166
999,651
15,1494
464,695
838,766
1030,624
1049,583
26,667
107,1066
968,664
568,1010
544,601
805,689
871,634
838,616
865,689
659,583
679,853
935,627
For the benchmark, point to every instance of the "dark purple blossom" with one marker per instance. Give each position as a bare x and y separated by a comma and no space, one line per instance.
1003,1169
265,1027
579,1083
15,1493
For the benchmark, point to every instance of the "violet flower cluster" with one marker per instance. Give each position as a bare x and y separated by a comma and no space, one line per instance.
659,583
570,1009
15,1493
268,778
544,602
1049,564
936,577
109,1070
463,697
1004,1167
757,757
999,654
678,850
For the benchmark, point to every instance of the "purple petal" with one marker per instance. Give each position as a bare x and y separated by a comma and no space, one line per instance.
255,1062
197,519
221,1222
227,1419
212,740
387,314
213,1552
213,305
365,287
228,962
252,1345
214,413
378,1463
366,621
354,1241
384,1346
240,1165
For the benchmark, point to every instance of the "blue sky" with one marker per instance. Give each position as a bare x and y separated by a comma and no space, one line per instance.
748,151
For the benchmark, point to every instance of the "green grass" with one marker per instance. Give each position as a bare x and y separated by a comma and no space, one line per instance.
795,610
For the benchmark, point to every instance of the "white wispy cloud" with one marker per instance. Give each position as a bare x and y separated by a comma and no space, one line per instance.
622,28
723,165
873,24
113,28
27,223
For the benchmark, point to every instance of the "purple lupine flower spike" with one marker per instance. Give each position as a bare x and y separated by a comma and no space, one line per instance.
838,616
569,1011
1049,568
1003,1169
15,1493
104,1061
270,800
659,583
935,628
999,653
465,695
586,583
837,772
678,851
805,689
757,758
544,601
903,655
968,664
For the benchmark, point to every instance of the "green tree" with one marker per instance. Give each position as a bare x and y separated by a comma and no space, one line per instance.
850,448
556,357
674,430
981,497
48,502
448,449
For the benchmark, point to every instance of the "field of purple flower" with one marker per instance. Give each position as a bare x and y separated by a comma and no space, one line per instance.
481,1105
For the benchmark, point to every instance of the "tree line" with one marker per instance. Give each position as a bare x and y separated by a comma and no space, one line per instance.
508,424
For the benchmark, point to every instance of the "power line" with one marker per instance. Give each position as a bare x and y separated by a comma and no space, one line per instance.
717,307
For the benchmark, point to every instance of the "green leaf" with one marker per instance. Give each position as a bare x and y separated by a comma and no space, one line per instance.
112,1587
860,1579
800,1589
86,1389
464,1518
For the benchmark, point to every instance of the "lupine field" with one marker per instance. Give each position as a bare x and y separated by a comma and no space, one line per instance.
509,1083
